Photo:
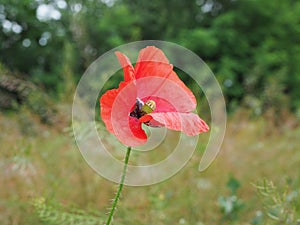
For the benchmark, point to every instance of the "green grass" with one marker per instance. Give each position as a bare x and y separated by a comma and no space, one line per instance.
41,161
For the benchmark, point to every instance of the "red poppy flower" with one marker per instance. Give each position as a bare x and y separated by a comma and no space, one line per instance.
151,93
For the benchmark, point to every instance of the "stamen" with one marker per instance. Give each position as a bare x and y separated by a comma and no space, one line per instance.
141,108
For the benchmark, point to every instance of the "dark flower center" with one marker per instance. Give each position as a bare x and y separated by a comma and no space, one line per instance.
140,108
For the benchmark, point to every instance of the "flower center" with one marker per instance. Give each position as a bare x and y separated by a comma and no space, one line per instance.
140,108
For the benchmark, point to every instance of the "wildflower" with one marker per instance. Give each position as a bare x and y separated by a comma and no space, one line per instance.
151,93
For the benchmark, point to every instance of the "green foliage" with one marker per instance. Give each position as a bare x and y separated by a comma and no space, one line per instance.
40,104
231,205
233,185
67,85
279,204
55,214
200,40
249,44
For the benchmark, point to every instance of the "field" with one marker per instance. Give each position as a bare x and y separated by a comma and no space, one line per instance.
48,47
45,179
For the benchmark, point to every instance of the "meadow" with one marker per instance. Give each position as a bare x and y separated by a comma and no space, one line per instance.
45,180
251,46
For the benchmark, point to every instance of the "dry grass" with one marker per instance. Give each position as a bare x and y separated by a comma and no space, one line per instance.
37,160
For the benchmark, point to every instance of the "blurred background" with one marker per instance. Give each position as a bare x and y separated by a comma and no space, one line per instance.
253,48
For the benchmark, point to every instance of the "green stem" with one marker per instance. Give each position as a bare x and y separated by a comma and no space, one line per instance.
120,187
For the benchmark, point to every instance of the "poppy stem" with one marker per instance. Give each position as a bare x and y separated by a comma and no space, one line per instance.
121,184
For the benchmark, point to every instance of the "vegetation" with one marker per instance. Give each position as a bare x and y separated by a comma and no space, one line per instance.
47,169
253,48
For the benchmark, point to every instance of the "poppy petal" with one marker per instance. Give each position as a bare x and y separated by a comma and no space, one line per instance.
152,62
136,128
152,53
127,129
106,104
189,123
162,105
126,65
170,96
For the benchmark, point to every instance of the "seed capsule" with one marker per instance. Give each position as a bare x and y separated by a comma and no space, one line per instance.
148,107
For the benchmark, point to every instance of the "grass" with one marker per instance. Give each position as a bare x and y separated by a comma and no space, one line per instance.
43,161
